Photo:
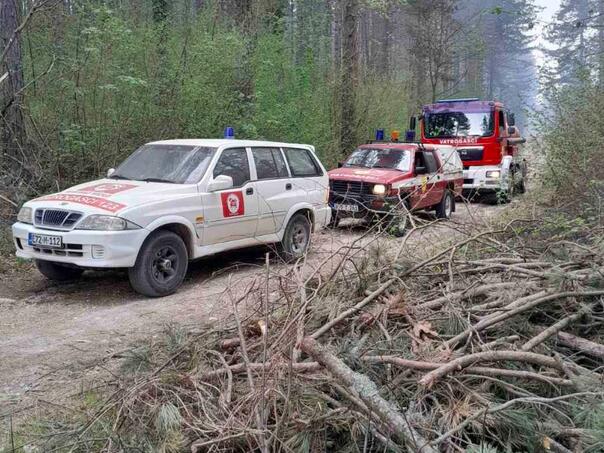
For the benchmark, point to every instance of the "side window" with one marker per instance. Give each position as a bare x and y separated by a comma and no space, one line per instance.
269,163
234,163
302,163
431,163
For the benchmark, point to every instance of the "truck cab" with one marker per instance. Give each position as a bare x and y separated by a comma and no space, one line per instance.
390,179
486,139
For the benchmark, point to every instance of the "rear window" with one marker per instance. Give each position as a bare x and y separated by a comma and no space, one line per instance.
302,162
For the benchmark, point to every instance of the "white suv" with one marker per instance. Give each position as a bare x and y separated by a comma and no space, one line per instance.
173,201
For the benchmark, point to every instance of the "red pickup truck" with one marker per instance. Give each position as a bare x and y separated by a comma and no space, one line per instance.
389,180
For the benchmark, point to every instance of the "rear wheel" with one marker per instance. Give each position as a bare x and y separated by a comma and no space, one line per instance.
445,208
521,186
58,272
296,237
161,265
334,221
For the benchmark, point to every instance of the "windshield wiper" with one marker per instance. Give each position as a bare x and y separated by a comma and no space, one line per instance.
119,177
158,180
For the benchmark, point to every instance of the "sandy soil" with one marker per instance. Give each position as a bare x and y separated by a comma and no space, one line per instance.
55,339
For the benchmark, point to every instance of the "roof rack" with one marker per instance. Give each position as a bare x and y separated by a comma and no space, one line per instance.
445,101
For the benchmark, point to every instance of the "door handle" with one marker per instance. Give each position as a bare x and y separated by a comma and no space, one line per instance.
249,191
288,186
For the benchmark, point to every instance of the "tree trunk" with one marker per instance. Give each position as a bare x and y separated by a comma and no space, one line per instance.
600,22
12,126
350,75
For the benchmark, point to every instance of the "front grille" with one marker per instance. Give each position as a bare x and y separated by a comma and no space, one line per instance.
350,187
56,218
470,154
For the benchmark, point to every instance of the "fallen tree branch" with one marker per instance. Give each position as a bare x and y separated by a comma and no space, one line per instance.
429,366
302,367
346,313
554,328
491,356
367,391
581,344
515,310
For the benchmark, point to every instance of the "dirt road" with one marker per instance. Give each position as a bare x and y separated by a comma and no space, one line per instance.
55,337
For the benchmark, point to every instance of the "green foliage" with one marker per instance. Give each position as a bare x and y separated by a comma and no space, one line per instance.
118,80
573,137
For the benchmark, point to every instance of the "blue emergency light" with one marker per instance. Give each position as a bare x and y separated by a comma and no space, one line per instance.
229,132
379,135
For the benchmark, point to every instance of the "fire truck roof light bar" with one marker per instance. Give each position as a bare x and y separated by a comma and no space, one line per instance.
445,101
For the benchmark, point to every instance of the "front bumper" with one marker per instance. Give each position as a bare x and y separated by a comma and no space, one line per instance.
83,248
475,180
366,204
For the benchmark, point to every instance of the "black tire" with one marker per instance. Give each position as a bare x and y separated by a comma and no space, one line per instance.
161,265
521,186
445,208
296,237
334,221
58,272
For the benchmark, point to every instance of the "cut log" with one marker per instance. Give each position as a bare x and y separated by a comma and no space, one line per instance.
367,391
581,344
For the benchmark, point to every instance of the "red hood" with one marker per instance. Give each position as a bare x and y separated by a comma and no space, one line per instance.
370,175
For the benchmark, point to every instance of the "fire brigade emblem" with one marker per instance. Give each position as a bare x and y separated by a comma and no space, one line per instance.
232,204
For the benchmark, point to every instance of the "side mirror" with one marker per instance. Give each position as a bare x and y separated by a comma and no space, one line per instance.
220,182
340,164
512,130
420,170
110,172
412,123
511,119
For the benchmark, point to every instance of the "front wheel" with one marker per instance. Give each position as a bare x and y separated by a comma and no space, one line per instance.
161,265
444,209
296,237
58,272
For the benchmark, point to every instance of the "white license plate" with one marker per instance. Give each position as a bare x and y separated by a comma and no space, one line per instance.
44,240
346,207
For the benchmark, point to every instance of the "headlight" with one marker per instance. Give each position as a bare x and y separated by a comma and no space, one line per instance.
106,223
495,174
25,215
379,189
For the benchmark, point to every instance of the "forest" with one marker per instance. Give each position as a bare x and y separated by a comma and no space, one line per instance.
479,334
89,81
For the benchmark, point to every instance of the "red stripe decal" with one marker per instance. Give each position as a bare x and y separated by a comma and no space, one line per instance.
101,203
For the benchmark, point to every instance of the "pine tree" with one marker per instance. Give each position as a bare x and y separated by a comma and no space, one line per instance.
569,33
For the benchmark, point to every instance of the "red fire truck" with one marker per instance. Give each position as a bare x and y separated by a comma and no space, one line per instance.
486,138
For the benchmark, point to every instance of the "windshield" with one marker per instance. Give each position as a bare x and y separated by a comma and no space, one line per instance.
396,159
459,124
177,164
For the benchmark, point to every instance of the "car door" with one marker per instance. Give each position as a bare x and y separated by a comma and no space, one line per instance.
231,214
435,183
275,190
